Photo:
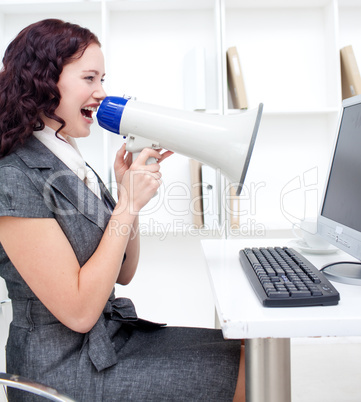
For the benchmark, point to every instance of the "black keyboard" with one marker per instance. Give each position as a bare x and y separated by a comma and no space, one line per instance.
281,277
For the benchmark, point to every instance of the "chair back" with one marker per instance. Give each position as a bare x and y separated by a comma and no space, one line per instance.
5,319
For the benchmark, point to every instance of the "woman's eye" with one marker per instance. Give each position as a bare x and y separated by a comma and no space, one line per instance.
91,78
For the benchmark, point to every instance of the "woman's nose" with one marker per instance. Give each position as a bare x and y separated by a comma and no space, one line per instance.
100,93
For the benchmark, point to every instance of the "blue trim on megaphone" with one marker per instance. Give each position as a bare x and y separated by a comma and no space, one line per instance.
110,113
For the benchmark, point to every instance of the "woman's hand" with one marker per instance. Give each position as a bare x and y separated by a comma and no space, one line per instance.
139,181
122,163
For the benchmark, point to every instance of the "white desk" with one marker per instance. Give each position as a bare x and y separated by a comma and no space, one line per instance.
267,331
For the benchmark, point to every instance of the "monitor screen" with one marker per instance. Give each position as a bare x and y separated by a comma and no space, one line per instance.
343,193
340,216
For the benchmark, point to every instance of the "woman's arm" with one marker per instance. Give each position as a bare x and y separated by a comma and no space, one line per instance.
132,252
121,165
45,259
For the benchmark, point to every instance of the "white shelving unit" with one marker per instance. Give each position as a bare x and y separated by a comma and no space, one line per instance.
289,52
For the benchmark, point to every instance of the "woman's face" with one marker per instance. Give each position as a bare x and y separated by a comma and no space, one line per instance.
80,86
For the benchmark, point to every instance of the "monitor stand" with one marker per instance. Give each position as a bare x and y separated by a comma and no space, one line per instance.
344,272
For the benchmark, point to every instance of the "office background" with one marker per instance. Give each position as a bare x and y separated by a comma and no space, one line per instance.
172,53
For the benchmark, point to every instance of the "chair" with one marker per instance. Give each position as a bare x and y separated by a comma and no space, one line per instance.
15,381
5,319
24,384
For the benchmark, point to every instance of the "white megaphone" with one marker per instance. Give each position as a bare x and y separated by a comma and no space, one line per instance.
222,142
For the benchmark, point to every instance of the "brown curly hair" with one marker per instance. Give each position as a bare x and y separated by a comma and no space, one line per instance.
32,65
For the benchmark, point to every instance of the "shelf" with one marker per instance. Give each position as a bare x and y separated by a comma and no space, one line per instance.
133,5
278,3
137,5
54,7
301,112
349,3
179,4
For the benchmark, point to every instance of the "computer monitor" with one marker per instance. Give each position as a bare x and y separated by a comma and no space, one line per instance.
339,220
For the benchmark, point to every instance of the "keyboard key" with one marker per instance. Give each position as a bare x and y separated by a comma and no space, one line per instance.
278,294
300,293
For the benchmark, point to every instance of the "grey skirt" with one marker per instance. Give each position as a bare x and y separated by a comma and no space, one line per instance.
122,358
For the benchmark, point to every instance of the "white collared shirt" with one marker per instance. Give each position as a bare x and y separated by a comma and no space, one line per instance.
69,154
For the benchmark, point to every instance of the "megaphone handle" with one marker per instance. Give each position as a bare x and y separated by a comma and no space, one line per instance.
151,160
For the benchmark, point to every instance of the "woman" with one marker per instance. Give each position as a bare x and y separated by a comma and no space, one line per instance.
59,252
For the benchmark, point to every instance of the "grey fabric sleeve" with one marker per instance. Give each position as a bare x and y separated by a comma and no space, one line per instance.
19,196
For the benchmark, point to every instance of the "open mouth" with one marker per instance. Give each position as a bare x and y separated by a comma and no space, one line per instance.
87,112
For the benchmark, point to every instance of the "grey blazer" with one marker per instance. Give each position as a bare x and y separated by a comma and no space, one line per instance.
35,183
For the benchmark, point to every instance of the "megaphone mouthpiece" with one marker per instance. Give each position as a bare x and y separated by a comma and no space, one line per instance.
110,113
